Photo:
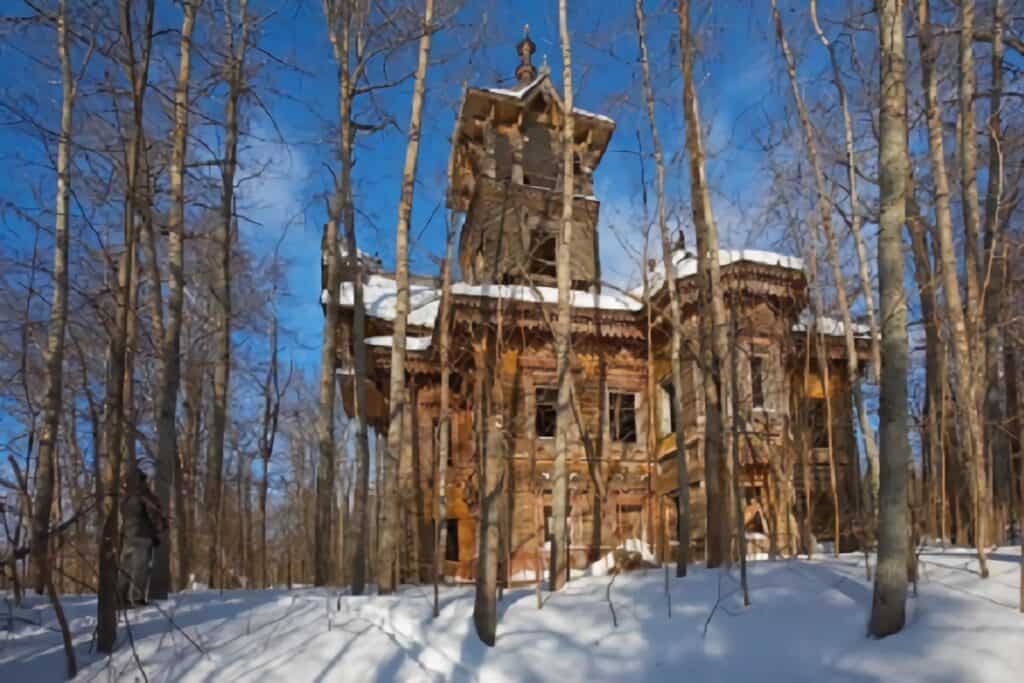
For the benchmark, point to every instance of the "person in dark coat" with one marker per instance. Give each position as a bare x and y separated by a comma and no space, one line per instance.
144,525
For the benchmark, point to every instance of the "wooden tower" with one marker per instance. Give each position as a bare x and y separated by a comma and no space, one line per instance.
506,175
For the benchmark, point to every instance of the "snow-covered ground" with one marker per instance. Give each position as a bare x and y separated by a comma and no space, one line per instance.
806,624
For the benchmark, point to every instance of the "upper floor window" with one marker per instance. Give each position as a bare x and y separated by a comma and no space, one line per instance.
757,366
622,416
546,412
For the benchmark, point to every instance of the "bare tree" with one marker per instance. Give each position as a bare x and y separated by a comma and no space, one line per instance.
714,331
888,610
236,39
169,375
398,395
53,358
119,371
444,427
339,16
559,561
683,477
971,435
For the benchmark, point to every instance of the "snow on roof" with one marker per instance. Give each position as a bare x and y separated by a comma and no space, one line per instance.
411,343
599,117
830,327
380,296
520,92
685,264
549,295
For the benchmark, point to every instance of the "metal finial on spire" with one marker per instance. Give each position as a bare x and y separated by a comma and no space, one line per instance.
525,49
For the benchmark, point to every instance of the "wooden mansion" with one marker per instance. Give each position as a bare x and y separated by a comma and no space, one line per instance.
505,183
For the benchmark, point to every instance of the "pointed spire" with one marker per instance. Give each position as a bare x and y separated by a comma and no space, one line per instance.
525,72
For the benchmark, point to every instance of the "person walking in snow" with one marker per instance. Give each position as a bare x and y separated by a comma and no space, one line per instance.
144,524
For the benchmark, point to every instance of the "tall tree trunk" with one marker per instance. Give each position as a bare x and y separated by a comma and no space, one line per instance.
268,433
398,393
935,361
559,561
237,43
967,148
53,356
824,205
714,336
186,466
325,471
741,529
682,473
994,271
338,16
863,270
489,441
445,417
167,466
118,372
970,427
888,608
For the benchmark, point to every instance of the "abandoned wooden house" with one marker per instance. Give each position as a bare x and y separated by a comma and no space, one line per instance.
505,183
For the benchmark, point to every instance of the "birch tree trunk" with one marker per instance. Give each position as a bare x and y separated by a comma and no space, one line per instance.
445,418
888,607
118,369
170,350
994,271
714,336
824,204
268,434
339,17
325,472
53,356
237,43
967,148
970,428
682,473
858,238
558,572
391,531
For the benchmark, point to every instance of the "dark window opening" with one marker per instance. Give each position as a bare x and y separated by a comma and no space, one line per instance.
451,545
543,256
546,412
818,422
757,381
622,417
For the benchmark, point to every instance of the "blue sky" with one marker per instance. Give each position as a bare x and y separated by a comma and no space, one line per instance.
292,143
737,88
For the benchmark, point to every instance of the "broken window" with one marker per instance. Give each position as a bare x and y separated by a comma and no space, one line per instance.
622,416
546,412
451,545
757,382
543,254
